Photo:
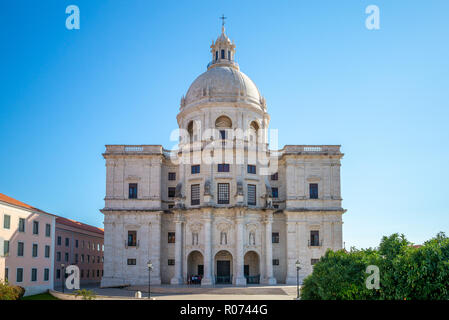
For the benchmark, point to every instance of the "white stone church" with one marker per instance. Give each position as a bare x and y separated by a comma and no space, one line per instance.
222,208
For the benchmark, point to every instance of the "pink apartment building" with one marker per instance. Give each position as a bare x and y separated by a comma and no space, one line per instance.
26,245
78,244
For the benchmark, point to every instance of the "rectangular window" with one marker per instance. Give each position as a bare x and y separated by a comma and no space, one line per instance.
274,176
132,191
6,221
47,230
275,192
5,248
132,238
223,134
195,194
314,238
223,167
131,262
172,176
47,251
76,257
19,275
67,241
171,192
251,194
21,225
195,169
76,243
223,193
171,262
275,237
46,274
6,274
58,256
82,273
171,237
59,240
313,189
251,169
88,258
34,250
33,274
66,256
87,274
20,247
98,273
275,262
35,227
82,258
58,274
314,261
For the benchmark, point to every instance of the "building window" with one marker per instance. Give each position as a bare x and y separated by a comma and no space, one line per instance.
132,191
66,256
48,230
172,176
58,274
59,240
82,273
229,55
274,176
275,262
171,237
76,243
87,276
195,169
67,241
20,247
251,169
21,225
47,251
171,262
251,194
275,192
131,262
98,273
223,167
222,54
35,250
6,221
88,258
275,237
314,238
35,227
33,274
223,134
102,247
46,274
223,193
132,238
171,206
313,188
98,259
6,274
216,55
19,275
76,257
58,256
82,258
314,261
171,192
5,248
194,194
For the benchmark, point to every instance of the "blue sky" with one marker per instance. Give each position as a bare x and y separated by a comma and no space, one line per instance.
382,94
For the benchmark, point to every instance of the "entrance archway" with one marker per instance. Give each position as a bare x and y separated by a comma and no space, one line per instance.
195,267
251,267
223,267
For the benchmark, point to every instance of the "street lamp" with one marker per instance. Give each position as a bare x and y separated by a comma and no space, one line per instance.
298,267
150,267
62,276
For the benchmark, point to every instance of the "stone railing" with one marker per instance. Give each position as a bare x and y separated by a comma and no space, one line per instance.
309,149
133,149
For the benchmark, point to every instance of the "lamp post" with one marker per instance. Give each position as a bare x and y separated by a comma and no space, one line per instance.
150,267
62,276
298,267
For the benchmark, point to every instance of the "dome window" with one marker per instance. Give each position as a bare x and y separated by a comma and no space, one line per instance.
222,54
223,122
229,55
216,55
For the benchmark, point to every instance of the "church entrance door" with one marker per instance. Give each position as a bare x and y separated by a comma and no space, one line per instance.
223,271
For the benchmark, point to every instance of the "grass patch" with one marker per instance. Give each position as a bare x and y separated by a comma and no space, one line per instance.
40,296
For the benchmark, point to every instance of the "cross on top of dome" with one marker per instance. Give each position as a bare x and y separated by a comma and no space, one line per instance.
223,50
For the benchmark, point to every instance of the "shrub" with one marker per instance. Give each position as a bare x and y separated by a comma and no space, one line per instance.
85,294
8,292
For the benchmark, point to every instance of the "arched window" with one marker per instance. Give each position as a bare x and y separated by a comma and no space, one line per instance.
190,131
223,122
253,131
222,54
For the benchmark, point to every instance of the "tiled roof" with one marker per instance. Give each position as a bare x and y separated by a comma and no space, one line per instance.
5,198
79,225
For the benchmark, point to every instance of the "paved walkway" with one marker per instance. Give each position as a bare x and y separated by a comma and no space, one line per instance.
184,292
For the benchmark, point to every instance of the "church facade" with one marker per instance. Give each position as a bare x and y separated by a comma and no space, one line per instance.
223,207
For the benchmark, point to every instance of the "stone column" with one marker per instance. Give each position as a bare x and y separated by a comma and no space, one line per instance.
269,279
291,252
155,248
207,277
177,279
240,279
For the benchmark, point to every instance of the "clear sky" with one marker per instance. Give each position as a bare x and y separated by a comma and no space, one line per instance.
382,94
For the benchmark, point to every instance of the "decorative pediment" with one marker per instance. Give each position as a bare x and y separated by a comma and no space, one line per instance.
313,178
133,178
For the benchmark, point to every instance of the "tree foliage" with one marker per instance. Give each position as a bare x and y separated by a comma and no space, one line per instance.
406,272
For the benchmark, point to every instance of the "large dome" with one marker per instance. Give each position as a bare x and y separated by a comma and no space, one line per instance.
223,83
